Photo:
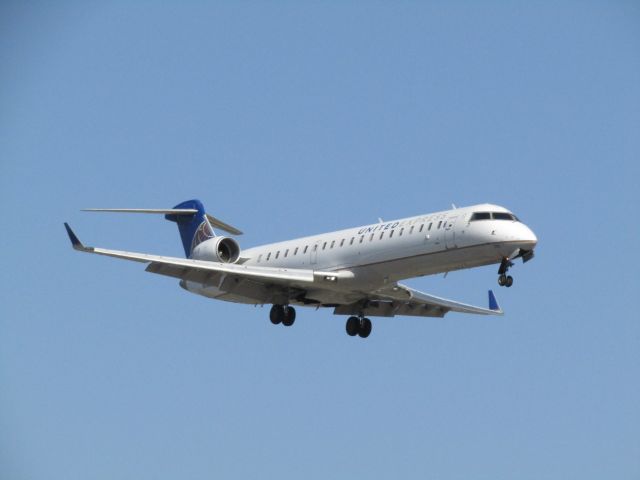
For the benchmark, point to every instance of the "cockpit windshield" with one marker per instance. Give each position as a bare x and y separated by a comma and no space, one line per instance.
481,216
493,216
503,216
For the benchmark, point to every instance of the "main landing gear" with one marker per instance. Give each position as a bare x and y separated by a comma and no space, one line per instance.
284,314
505,280
359,326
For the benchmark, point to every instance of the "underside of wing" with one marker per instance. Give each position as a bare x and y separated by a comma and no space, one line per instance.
402,300
250,284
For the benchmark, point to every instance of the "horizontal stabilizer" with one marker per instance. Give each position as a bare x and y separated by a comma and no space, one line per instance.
215,222
223,226
170,211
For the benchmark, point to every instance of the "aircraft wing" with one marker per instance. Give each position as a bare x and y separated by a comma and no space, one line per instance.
261,284
272,285
402,300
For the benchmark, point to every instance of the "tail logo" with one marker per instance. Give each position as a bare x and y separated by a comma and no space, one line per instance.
203,233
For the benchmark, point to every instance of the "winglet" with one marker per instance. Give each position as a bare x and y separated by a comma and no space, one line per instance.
493,303
75,241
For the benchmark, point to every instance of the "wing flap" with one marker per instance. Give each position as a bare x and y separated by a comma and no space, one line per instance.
203,277
390,308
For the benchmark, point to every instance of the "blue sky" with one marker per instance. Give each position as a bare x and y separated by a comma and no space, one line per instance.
291,119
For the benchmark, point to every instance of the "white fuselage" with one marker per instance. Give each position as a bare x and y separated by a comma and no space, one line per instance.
386,252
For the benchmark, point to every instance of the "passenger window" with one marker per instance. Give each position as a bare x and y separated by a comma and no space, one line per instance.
381,235
324,245
295,252
286,252
333,242
439,224
371,237
277,253
421,228
411,230
430,225
315,247
306,247
351,242
268,256
401,231
391,234
361,238
259,258
342,242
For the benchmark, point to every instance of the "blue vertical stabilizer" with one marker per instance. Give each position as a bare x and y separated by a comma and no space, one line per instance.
193,228
493,303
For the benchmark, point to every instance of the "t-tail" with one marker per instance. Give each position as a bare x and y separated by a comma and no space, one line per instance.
195,227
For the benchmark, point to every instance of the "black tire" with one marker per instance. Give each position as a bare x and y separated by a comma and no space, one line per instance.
276,315
502,280
365,328
289,316
353,326
509,281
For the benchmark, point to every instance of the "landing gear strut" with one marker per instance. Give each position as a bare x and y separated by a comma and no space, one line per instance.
359,326
505,280
284,314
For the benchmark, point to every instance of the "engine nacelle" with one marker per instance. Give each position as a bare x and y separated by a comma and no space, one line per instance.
217,249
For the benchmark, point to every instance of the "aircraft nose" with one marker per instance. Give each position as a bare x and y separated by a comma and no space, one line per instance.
529,237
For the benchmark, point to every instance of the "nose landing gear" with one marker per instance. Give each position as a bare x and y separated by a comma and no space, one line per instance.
505,280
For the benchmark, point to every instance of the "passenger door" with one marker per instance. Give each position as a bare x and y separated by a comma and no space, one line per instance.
450,232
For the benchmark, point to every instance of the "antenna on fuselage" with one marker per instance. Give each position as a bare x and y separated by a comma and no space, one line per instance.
453,205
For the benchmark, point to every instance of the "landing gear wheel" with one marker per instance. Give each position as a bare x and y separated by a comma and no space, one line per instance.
276,315
289,316
503,279
353,326
365,328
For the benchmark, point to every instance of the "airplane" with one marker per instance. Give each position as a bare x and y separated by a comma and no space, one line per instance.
354,271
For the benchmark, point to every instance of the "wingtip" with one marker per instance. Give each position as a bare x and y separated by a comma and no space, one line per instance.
493,303
75,241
